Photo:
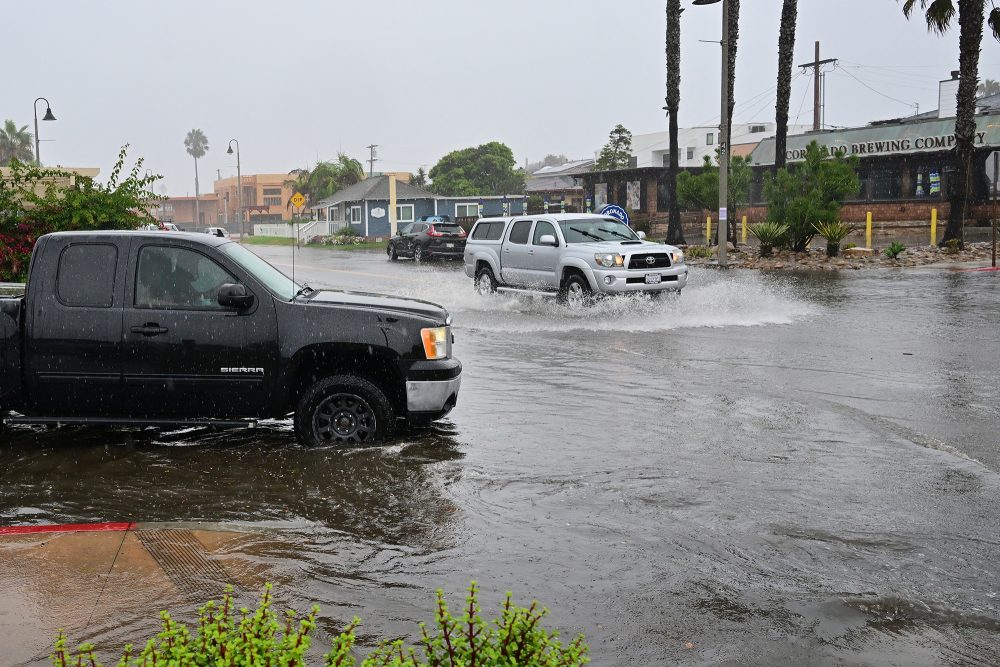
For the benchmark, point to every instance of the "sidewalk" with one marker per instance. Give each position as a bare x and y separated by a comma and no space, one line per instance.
91,579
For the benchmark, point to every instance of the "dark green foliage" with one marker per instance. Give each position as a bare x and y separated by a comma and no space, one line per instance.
419,179
834,233
617,153
326,178
696,192
488,169
894,250
262,638
809,193
769,234
698,252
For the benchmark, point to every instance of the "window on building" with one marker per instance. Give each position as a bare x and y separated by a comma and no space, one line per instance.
633,162
178,279
86,275
710,139
666,159
272,192
467,210
335,214
755,129
272,201
249,195
355,215
404,213
690,153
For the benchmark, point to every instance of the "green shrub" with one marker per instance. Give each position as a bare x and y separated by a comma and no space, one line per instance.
834,233
769,234
894,250
260,637
347,232
848,246
698,252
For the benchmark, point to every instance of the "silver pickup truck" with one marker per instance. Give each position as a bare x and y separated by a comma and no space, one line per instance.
570,255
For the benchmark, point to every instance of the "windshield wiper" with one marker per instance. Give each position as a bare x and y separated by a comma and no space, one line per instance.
586,233
305,289
624,236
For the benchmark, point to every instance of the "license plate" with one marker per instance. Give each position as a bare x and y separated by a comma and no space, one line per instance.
653,278
449,245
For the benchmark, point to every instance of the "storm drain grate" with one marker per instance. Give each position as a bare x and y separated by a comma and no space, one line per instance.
183,559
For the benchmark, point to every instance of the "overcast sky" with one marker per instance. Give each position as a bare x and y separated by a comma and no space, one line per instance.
295,81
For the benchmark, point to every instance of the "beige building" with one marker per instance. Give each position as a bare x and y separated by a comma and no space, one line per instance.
181,210
265,200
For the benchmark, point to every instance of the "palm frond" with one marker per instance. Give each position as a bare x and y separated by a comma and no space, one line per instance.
994,23
939,15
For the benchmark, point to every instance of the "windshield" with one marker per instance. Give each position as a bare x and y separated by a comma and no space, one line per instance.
272,278
588,230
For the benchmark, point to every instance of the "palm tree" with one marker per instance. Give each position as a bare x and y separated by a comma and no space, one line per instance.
196,144
326,178
734,38
675,233
786,52
15,143
988,87
971,14
351,171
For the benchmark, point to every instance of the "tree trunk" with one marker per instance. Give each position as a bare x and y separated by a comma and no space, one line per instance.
970,18
786,52
734,38
675,233
197,197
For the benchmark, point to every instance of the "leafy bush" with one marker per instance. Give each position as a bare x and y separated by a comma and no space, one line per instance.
347,232
260,637
769,234
810,192
698,252
834,233
848,246
894,250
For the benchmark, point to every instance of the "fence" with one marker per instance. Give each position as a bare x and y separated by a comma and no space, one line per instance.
304,231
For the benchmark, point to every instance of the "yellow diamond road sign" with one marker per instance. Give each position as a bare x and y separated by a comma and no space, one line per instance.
298,200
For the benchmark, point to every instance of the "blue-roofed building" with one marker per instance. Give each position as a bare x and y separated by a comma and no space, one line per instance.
365,206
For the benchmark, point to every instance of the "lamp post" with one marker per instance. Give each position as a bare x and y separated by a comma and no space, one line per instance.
723,233
48,116
239,185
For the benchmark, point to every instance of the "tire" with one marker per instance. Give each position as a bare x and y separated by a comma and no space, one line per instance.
418,254
486,282
575,291
344,410
391,251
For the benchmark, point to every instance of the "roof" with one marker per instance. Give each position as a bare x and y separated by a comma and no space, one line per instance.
572,167
375,188
548,183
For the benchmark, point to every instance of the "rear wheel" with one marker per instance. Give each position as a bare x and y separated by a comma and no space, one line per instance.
575,291
344,410
486,283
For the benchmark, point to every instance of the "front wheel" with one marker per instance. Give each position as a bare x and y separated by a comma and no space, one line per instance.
575,291
486,283
391,251
418,254
344,410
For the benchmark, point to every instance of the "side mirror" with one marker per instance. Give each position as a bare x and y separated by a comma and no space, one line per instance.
235,296
548,239
641,235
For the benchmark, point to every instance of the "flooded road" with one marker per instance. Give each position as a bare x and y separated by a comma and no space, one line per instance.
773,469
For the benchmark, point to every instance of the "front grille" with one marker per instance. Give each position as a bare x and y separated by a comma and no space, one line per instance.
660,261
641,280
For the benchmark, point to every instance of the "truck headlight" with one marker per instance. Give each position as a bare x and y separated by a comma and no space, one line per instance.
609,260
677,257
436,342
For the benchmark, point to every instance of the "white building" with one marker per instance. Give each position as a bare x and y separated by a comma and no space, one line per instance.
653,150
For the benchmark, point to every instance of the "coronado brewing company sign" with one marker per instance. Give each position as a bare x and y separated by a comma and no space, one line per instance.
930,143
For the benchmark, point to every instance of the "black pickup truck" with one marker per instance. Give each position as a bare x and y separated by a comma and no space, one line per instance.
146,328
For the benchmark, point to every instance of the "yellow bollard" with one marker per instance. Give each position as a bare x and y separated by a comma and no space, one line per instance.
933,226
744,239
868,230
708,231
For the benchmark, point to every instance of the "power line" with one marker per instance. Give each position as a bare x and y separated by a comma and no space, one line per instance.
877,92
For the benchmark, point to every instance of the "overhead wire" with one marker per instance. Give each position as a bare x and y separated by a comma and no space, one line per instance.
874,90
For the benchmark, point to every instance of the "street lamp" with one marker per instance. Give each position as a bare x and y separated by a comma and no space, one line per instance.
723,134
239,184
48,116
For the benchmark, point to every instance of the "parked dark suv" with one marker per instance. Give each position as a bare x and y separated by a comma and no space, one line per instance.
430,237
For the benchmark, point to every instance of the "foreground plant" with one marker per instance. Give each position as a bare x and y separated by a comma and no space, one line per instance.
894,250
834,233
769,234
261,638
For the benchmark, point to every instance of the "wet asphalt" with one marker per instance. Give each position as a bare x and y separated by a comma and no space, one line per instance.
772,469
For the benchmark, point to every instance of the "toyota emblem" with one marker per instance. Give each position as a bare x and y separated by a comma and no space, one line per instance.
650,260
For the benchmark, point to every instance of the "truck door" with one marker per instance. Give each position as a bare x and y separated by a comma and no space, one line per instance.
543,258
74,317
183,353
514,254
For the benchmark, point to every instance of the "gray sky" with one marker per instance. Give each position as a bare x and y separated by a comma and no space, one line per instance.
296,81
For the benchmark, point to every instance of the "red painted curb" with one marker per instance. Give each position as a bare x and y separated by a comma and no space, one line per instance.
984,268
66,528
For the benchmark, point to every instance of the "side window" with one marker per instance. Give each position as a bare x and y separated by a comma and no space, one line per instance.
86,275
177,278
543,228
519,232
496,231
482,231
408,228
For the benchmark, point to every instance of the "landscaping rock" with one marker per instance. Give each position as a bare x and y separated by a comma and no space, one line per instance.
858,252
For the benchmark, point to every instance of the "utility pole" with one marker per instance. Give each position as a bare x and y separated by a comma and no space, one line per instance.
372,159
818,81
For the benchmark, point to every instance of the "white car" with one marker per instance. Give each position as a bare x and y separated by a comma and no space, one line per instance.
169,227
217,231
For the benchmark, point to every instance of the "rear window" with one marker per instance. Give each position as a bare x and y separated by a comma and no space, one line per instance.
449,227
86,275
488,231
